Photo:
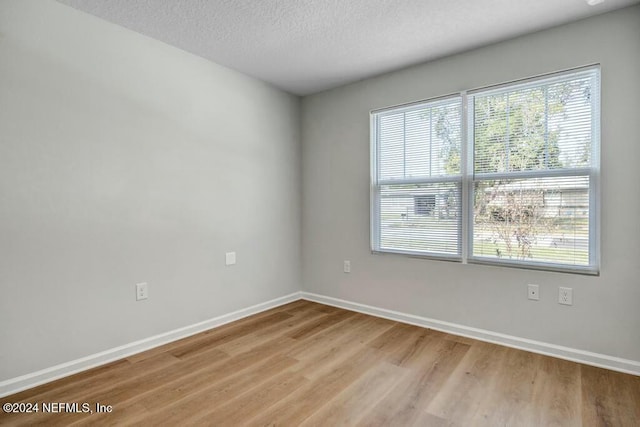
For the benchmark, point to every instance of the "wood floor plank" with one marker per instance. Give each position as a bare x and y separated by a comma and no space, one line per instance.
340,339
514,386
430,369
320,324
321,353
135,386
430,420
301,404
349,406
609,398
216,335
556,398
95,387
253,402
242,373
311,364
302,306
474,378
249,341
181,403
228,334
400,343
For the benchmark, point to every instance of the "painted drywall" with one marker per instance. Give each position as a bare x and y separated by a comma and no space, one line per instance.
604,317
125,160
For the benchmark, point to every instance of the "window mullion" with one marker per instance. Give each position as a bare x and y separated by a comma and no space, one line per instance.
374,196
466,164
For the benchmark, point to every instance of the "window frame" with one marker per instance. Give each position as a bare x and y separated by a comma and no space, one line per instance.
468,178
376,185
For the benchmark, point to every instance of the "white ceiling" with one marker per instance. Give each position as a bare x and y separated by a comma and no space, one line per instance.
306,46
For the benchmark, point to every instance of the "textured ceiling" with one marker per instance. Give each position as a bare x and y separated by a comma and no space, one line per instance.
306,46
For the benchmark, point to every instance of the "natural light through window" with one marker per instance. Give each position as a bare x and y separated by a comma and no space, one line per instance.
419,190
516,184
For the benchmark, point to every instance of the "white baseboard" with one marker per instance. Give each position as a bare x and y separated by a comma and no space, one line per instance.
17,384
567,353
14,385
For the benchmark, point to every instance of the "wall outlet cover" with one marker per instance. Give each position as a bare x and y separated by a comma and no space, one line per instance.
142,291
230,258
347,266
565,296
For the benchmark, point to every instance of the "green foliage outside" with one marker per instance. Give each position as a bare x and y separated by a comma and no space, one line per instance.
520,131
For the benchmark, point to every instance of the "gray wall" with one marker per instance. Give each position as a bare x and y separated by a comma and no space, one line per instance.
604,318
124,160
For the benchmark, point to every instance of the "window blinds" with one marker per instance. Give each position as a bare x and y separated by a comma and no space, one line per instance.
533,151
418,179
513,180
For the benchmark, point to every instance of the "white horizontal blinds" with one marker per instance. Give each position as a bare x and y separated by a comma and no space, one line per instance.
540,125
418,179
420,218
532,146
391,146
536,219
421,142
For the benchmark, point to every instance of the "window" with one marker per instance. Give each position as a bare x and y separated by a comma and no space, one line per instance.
417,191
514,183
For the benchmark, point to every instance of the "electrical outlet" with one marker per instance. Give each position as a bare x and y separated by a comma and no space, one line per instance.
565,296
533,292
347,266
142,291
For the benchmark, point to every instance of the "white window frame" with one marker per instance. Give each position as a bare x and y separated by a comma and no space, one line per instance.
467,178
376,184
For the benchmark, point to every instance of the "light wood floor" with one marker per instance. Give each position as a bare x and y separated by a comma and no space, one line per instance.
310,364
